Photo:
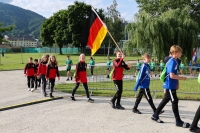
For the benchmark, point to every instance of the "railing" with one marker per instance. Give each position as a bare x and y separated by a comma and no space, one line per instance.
100,82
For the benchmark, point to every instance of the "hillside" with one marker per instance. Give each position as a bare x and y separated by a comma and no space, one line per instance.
26,22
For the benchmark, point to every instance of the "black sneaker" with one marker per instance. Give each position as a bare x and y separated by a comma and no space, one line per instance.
112,103
90,100
180,123
51,96
136,111
67,79
118,106
45,94
156,118
195,129
71,78
73,99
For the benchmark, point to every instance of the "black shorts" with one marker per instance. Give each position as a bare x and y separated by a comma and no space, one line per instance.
68,69
108,69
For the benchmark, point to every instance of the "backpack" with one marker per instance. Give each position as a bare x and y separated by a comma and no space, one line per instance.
163,74
198,78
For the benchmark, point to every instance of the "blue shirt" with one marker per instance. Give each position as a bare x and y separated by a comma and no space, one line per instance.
172,67
144,77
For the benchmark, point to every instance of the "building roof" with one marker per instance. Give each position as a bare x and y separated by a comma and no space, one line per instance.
18,38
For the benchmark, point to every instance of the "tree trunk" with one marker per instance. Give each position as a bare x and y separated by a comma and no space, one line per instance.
60,50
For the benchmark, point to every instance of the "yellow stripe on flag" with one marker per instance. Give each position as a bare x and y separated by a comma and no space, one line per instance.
99,39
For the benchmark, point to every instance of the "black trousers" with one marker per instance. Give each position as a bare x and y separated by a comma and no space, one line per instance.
30,81
119,86
85,87
92,69
146,92
52,83
37,82
169,95
196,119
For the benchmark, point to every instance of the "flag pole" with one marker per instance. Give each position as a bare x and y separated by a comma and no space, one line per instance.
108,31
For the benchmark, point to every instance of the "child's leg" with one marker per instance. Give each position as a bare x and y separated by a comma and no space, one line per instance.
92,67
86,89
43,84
162,104
75,88
36,81
119,86
196,119
174,100
52,81
32,81
149,99
28,81
139,97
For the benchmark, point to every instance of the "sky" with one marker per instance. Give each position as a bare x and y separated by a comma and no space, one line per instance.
46,8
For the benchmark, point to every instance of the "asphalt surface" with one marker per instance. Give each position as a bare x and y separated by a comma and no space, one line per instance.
64,115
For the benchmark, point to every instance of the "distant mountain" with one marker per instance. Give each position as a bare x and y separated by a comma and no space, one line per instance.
27,23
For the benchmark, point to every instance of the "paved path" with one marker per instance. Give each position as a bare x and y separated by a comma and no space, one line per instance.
63,116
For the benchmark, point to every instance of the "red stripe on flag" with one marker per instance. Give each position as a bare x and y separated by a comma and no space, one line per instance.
94,29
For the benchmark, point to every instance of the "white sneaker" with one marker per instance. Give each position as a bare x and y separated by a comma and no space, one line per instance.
29,89
32,90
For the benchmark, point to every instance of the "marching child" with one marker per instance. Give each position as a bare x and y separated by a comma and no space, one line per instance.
92,63
138,65
118,66
108,63
81,77
194,127
30,72
171,85
144,81
52,71
37,80
42,69
68,63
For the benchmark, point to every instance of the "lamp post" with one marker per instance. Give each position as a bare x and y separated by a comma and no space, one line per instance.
21,51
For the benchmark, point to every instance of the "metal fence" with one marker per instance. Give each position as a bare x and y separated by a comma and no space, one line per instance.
100,82
40,50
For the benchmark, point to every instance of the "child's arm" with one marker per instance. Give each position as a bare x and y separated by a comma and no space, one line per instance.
25,68
57,72
173,76
47,74
142,71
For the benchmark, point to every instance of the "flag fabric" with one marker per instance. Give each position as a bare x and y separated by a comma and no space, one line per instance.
194,55
95,32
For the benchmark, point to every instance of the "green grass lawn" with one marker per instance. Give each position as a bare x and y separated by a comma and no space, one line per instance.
108,89
13,61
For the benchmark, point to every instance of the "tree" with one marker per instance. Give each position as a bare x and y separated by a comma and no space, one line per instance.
77,17
55,30
114,22
158,33
3,30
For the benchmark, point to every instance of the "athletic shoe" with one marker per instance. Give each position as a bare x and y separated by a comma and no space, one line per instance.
71,78
45,94
112,103
180,123
156,118
195,129
90,100
51,96
73,99
136,111
118,106
32,90
67,79
29,89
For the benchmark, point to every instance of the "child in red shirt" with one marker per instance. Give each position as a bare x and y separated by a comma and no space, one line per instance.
52,71
30,72
42,69
81,77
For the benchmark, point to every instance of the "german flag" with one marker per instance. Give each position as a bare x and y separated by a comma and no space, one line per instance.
95,32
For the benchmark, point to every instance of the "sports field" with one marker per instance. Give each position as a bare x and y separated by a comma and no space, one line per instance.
13,61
